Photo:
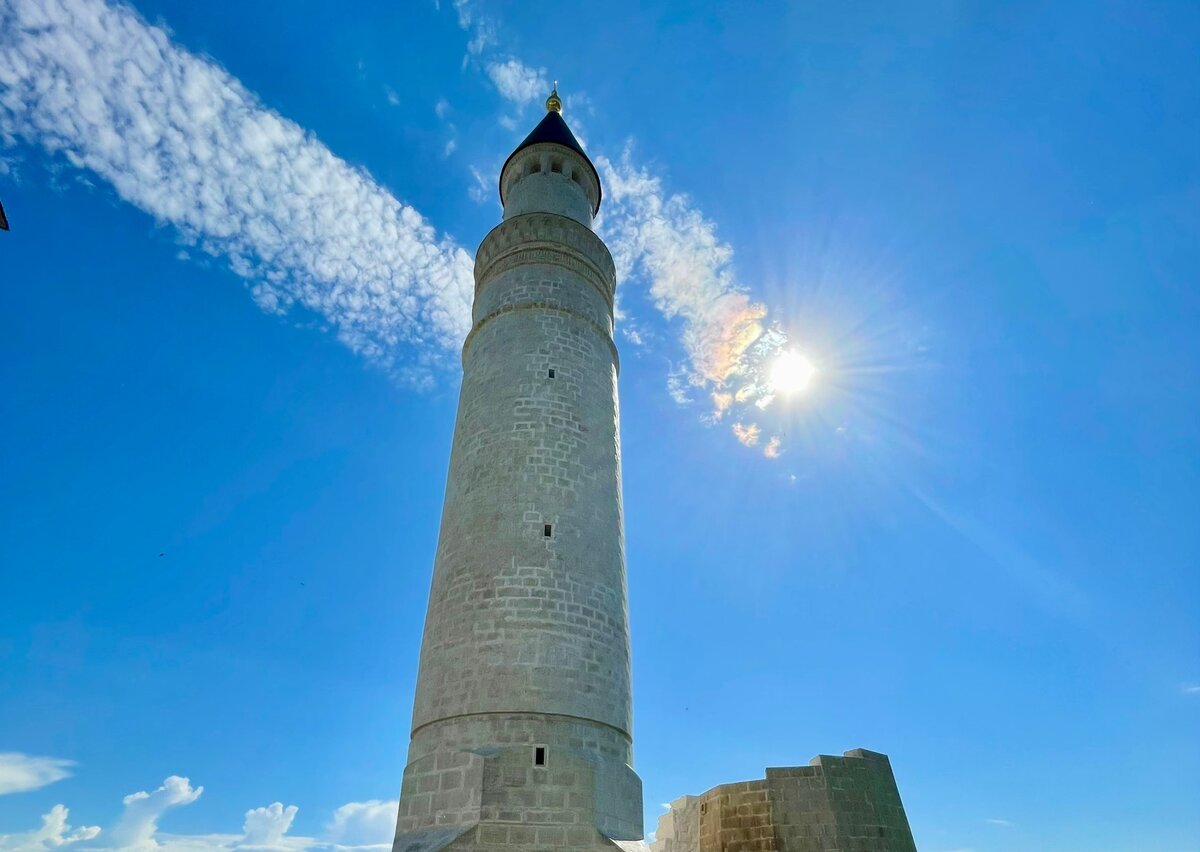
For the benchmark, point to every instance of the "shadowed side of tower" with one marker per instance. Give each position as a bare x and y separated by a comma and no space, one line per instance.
522,729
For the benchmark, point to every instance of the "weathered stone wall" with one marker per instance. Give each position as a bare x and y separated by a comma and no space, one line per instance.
835,804
679,828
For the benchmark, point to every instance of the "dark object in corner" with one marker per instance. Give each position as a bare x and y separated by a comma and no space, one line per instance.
3,219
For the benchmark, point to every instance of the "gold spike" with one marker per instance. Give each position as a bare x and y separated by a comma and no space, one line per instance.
554,102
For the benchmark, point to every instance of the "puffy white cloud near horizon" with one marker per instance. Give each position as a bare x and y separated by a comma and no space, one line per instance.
265,827
22,772
354,827
53,833
179,137
138,824
364,824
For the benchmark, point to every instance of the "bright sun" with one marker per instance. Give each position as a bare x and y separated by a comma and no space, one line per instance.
791,373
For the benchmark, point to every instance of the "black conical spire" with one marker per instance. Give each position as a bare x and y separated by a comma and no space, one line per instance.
553,128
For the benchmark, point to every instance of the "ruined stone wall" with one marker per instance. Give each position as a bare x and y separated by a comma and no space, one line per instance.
835,804
679,827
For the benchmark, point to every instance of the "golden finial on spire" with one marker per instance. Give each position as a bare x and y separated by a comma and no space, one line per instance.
554,102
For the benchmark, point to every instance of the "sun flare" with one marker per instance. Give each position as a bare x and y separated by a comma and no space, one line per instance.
791,373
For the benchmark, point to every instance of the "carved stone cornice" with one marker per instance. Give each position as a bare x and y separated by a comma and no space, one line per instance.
546,238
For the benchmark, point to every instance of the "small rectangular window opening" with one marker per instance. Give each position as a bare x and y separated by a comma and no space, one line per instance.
539,756
546,530
552,372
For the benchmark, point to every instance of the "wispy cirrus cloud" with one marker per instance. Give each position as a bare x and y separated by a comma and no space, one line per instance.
663,240
480,28
180,138
518,82
22,772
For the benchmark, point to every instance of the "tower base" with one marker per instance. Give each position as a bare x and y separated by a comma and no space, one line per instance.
518,781
492,837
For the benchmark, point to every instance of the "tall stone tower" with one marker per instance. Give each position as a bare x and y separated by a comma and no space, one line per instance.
521,732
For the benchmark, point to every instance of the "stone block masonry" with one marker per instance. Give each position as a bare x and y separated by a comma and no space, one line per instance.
522,721
835,804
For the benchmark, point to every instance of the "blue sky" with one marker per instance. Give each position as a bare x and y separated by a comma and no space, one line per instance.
238,277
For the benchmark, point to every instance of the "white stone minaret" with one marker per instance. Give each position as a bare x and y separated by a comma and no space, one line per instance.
521,732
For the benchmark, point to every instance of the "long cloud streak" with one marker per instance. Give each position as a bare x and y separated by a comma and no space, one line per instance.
183,140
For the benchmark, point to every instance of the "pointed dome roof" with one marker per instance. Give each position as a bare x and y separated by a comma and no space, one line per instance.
554,129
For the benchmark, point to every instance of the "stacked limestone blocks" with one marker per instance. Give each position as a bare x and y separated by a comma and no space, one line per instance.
835,804
521,736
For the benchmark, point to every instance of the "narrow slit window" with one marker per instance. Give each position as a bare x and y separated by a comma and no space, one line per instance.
546,530
556,166
539,756
552,372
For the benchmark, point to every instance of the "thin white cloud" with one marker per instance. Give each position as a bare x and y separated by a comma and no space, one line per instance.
517,82
180,138
21,772
55,832
138,824
1191,689
481,190
677,387
997,821
479,27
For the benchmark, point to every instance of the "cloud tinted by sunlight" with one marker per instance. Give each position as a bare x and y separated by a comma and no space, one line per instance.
689,270
22,772
180,138
663,240
183,140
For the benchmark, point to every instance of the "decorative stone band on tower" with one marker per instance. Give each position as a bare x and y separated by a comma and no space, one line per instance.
522,724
